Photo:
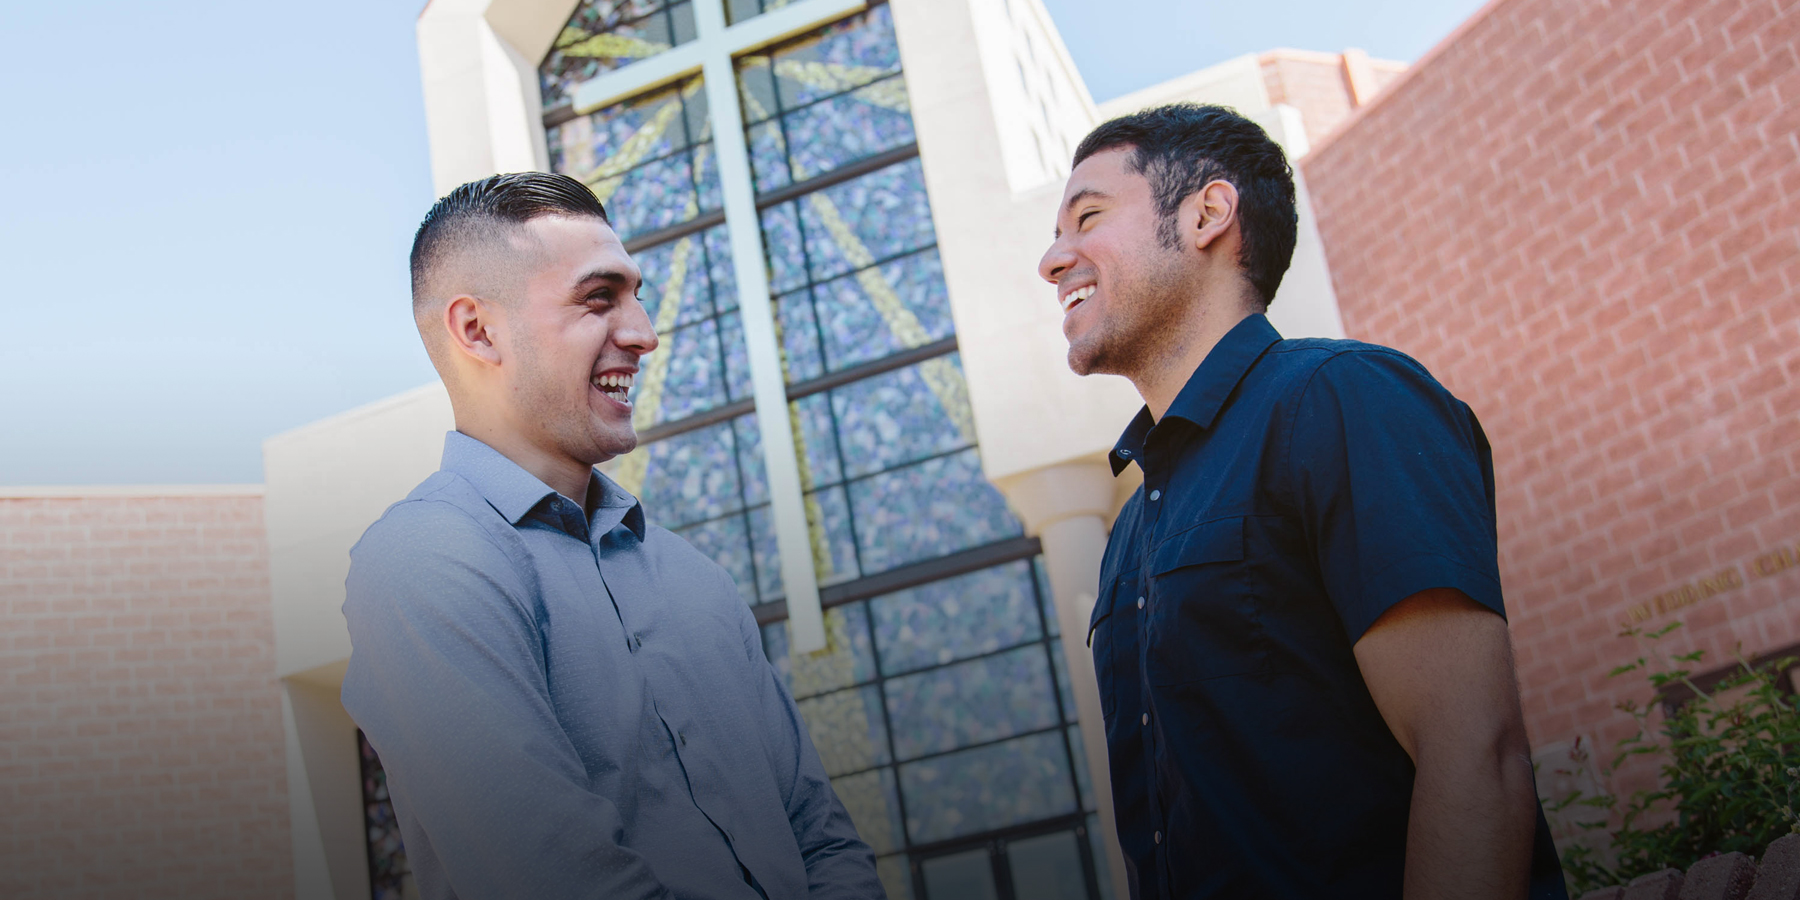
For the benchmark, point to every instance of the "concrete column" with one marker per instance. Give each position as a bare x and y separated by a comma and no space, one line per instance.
1069,507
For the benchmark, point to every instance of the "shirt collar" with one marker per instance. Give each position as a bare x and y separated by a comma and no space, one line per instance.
1206,391
514,492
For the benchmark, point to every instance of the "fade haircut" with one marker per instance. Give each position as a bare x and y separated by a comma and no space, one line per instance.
1182,147
485,212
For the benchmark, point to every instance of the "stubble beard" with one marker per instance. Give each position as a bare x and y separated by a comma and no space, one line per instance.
571,425
1135,336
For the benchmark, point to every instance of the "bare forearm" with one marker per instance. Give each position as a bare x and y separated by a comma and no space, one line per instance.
1471,828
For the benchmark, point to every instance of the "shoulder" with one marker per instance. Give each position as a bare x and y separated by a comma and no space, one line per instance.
1347,361
437,515
438,532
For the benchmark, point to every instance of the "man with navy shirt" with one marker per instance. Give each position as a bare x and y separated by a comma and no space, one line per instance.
1300,640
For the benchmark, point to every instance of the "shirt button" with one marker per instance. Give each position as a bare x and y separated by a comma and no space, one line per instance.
1146,718
1140,603
1159,837
637,642
683,737
1124,452
1156,495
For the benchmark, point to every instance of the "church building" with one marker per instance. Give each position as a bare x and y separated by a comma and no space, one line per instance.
861,409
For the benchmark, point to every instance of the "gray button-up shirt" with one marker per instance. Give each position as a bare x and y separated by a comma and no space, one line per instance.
574,705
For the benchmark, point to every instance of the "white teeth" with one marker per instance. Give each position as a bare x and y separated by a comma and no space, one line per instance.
1076,296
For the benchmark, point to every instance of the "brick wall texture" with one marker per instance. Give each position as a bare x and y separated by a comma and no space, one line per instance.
141,741
1318,85
1581,217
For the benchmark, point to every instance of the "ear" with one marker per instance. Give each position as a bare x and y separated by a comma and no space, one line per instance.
1208,214
471,323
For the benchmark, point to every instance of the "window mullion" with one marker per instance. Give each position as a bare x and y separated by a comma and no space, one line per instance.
787,507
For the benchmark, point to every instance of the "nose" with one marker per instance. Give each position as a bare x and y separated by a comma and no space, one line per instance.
1056,262
634,332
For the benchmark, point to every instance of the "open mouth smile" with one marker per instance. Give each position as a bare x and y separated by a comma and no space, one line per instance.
1076,296
616,386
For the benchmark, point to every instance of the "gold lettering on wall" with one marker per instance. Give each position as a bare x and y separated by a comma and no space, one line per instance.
1768,564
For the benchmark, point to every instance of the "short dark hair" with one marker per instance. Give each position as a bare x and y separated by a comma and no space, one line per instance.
492,203
1182,147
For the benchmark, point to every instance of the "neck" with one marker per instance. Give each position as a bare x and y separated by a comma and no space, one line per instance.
568,477
1160,381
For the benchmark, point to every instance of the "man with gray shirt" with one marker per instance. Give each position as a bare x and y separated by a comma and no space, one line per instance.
568,700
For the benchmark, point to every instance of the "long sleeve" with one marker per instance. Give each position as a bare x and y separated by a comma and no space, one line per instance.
838,863
447,679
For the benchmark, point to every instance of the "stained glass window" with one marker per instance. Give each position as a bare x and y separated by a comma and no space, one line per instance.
942,716
941,711
604,35
389,876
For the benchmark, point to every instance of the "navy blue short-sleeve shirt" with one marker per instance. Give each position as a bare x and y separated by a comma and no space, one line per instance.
1295,491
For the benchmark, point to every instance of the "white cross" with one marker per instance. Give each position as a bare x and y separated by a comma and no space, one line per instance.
711,54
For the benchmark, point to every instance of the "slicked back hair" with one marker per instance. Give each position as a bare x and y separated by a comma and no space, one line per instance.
1182,147
486,208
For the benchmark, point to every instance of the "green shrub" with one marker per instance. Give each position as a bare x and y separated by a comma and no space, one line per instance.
1730,773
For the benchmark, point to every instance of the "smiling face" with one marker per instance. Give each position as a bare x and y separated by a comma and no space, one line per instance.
573,341
1121,288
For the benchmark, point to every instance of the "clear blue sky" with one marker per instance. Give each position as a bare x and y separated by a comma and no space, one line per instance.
208,207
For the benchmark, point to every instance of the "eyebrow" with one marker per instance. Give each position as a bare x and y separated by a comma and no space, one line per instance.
1083,194
617,277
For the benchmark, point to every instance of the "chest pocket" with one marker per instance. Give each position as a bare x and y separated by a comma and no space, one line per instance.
1204,619
1112,633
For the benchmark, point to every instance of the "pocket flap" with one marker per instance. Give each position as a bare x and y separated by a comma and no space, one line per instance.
1102,609
1221,540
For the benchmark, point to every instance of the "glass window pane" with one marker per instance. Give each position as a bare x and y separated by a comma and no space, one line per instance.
718,268
799,336
1097,848
972,702
833,133
866,220
676,289
689,377
654,195
726,541
847,729
908,414
845,661
930,509
768,554
849,54
871,798
737,356
768,157
818,439
690,477
874,313
1047,867
1045,597
781,240
604,35
956,618
750,459
1078,751
968,875
834,550
623,135
986,788
895,875
1067,693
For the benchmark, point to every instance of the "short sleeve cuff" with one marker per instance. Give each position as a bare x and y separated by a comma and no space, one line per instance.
1409,576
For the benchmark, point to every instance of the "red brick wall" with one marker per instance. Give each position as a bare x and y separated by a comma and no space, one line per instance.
1313,83
1581,217
141,742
